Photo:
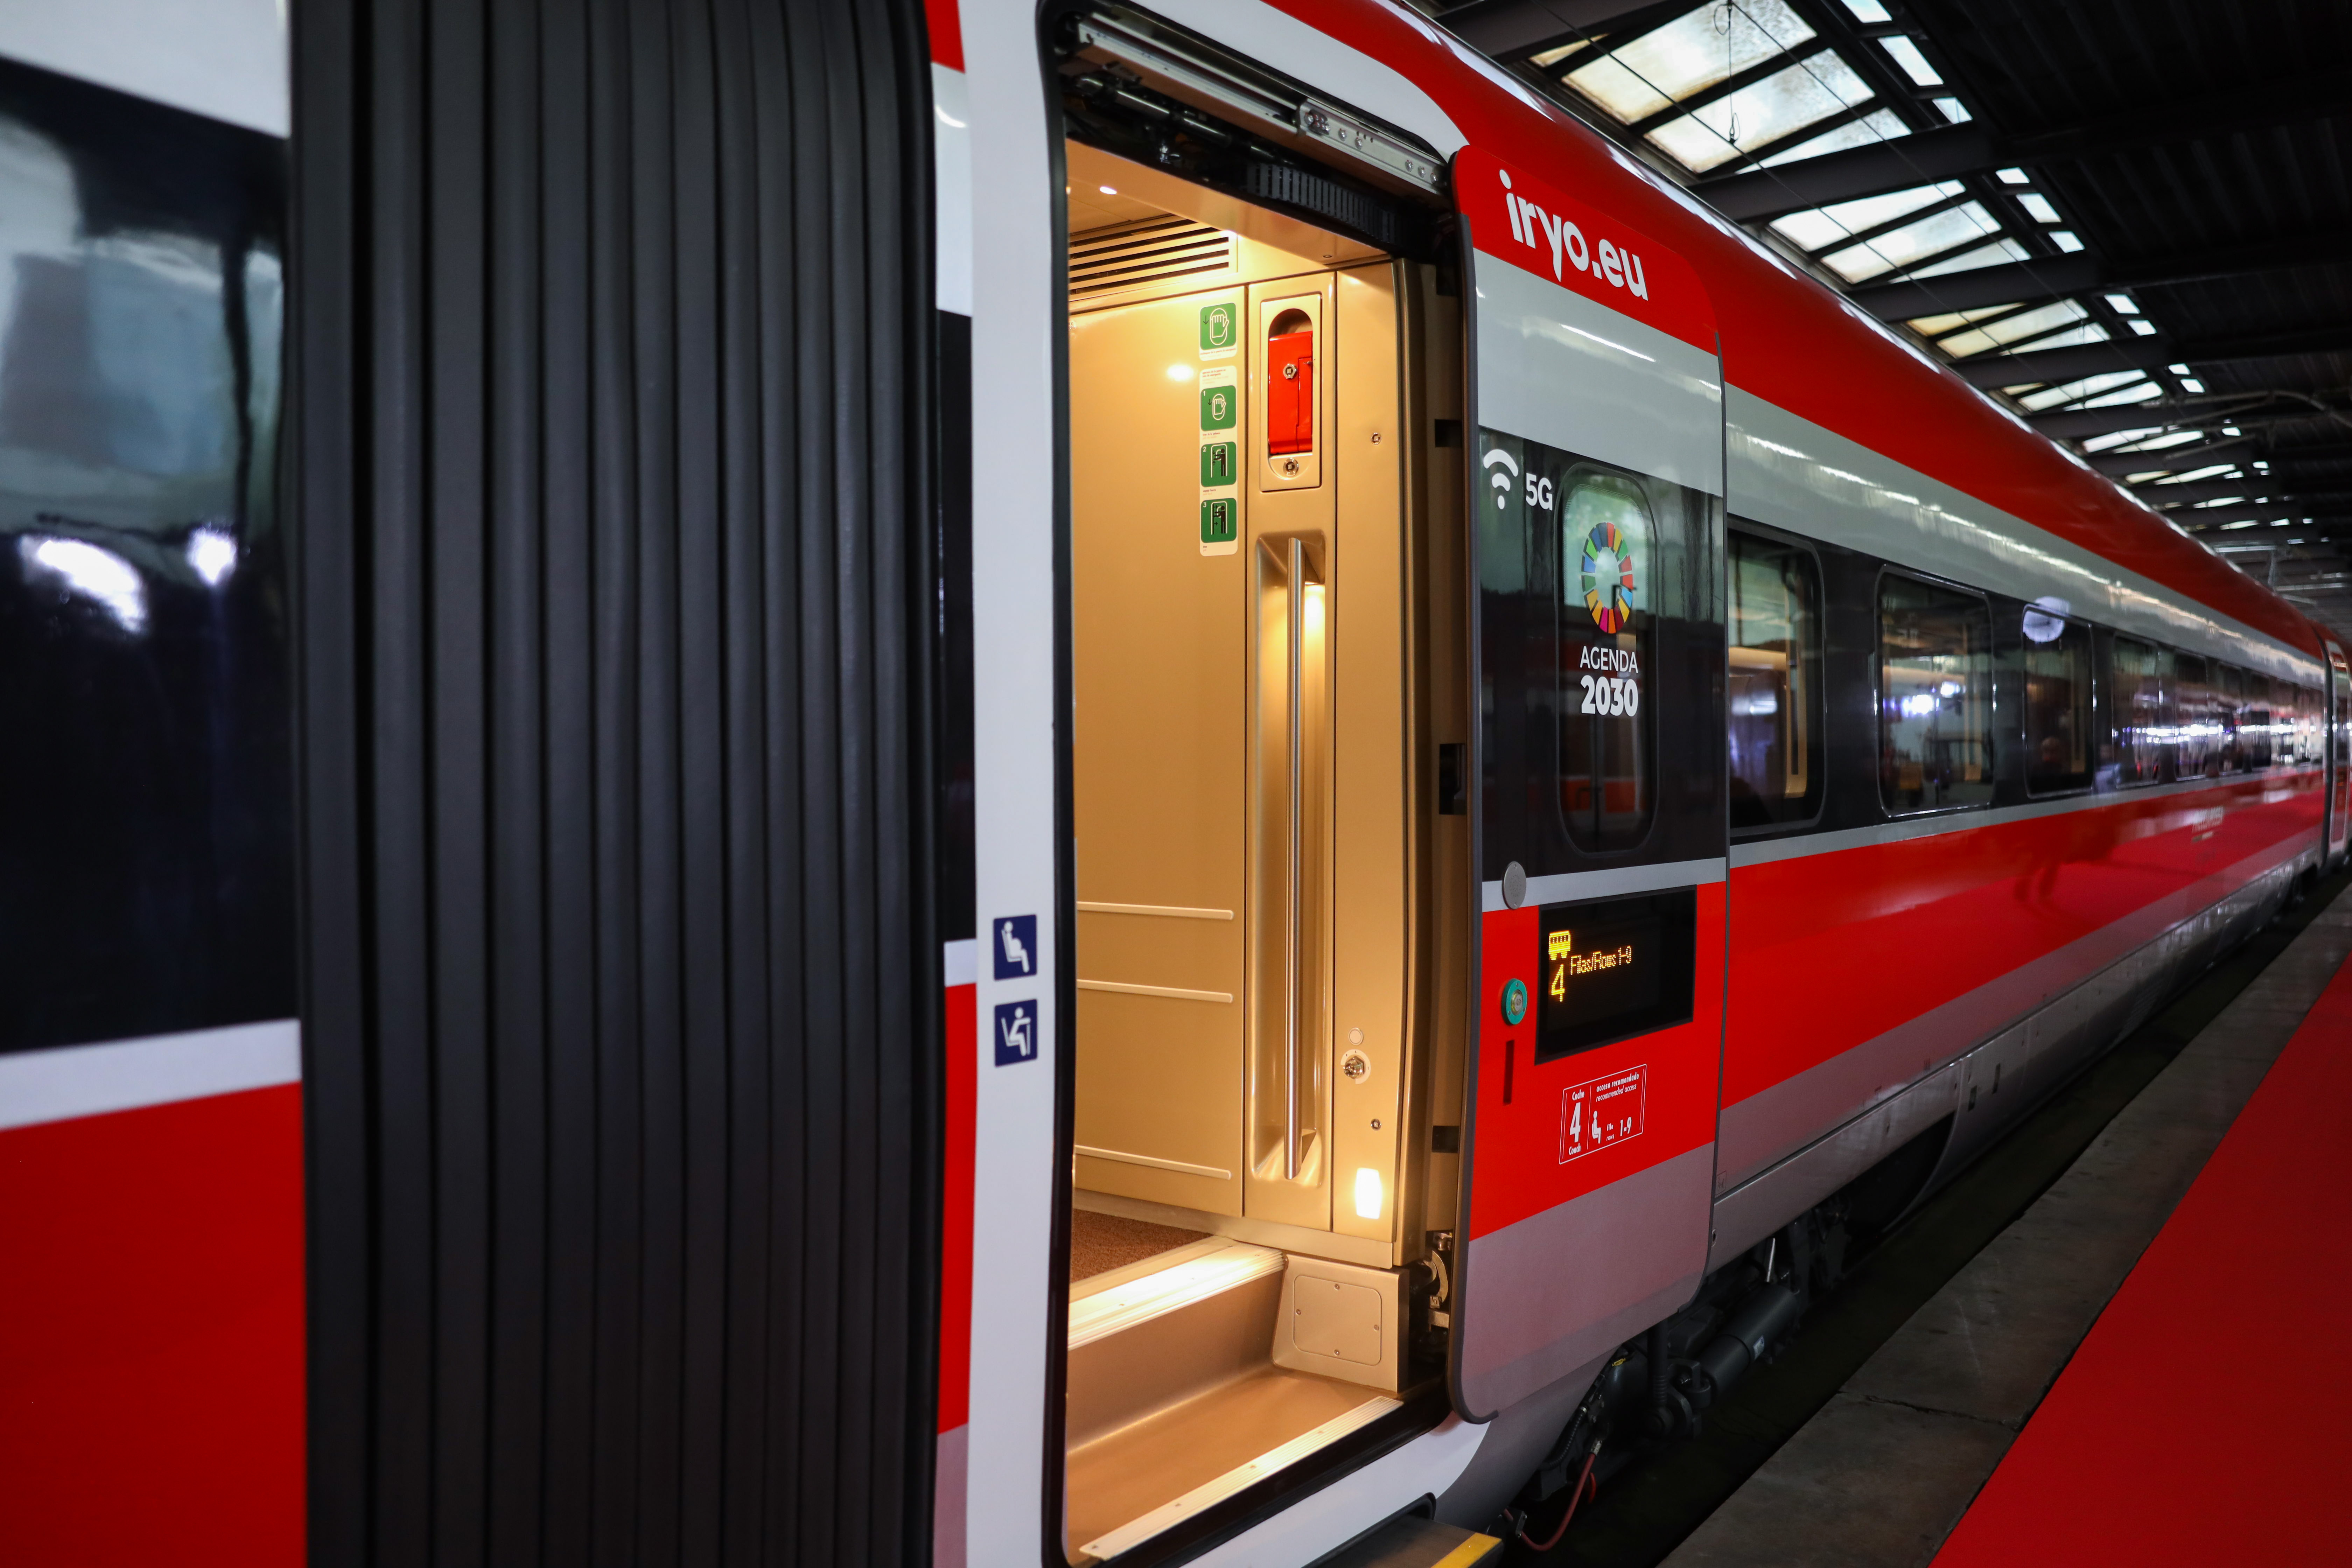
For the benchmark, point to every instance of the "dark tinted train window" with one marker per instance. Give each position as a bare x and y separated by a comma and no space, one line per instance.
1935,697
1775,728
1608,771
145,838
2243,703
2199,748
2139,709
2228,683
2059,745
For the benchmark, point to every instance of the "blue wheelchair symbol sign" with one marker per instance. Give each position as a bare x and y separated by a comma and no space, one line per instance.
1016,946
1016,1033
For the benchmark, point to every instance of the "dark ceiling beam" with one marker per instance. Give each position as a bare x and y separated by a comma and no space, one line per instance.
2055,366
1950,151
2081,424
1506,28
2056,277
2299,508
2180,493
2174,458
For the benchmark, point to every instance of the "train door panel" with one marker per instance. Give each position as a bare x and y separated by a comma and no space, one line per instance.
1600,829
2339,750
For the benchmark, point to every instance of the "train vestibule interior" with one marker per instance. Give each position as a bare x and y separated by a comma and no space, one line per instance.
1265,655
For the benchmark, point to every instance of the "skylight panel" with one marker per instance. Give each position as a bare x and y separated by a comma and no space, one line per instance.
2065,239
2170,439
2209,471
1937,326
2015,177
2141,325
1762,113
1915,64
1574,45
1954,109
2001,249
1899,248
2051,396
2010,329
1668,64
1879,125
2123,305
2038,205
1824,227
2089,332
1868,11
2114,438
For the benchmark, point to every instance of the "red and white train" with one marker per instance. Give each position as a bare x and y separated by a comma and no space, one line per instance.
1000,784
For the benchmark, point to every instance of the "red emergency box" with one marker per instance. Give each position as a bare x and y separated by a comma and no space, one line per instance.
1290,393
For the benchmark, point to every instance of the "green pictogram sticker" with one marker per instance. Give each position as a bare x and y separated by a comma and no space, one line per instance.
1220,522
1220,464
1220,407
1220,328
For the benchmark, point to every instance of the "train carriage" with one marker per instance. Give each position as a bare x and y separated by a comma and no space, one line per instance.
1078,784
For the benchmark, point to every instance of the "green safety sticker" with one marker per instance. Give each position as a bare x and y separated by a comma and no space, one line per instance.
1220,464
1220,407
1219,521
1221,331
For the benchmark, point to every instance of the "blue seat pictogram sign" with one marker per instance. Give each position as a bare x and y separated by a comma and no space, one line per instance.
1016,1033
1015,945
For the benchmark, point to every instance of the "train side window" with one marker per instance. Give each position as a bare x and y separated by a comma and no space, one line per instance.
2059,742
1935,697
2199,748
2262,716
2228,706
2140,706
1775,729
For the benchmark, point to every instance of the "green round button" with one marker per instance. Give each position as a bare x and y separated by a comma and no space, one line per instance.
1514,1003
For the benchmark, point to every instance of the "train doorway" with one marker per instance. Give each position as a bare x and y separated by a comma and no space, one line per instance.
1259,587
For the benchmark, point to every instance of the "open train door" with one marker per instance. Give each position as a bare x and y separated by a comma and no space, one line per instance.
2339,753
1599,825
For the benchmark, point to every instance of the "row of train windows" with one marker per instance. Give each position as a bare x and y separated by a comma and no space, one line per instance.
2101,709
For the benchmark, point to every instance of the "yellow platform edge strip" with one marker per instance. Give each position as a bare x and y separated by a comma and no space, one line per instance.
1473,1550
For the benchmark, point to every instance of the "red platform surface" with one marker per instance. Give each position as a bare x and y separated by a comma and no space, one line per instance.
2203,1421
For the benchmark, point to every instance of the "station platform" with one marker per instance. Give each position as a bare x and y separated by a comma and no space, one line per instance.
2139,1368
2201,1420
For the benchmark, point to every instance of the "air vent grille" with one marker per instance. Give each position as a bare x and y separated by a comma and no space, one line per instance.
1149,250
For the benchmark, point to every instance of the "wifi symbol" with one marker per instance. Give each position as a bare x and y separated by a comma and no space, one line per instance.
1500,481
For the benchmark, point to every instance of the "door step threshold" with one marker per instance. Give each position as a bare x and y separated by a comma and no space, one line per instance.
1136,1295
1417,1543
1168,1515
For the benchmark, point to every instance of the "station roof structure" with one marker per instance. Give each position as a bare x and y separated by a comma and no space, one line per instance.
2131,224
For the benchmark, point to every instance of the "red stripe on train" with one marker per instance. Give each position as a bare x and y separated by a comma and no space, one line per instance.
955,1209
1829,950
151,1337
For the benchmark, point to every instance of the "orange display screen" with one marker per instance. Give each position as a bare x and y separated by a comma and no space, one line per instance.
1612,969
